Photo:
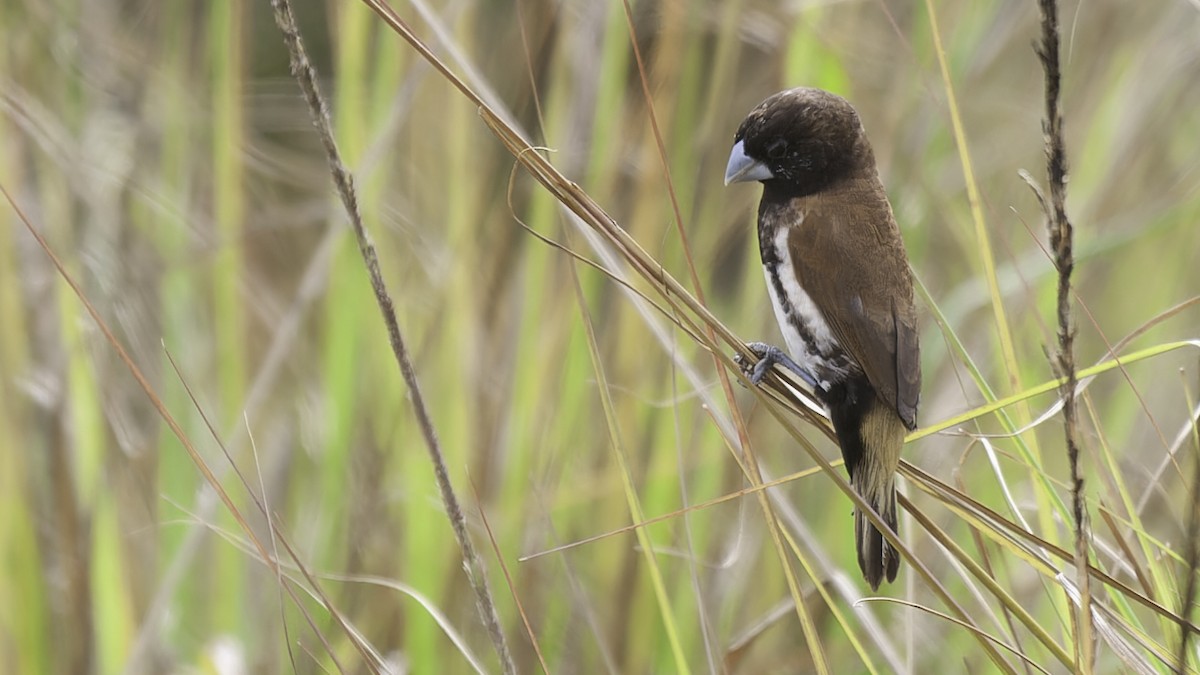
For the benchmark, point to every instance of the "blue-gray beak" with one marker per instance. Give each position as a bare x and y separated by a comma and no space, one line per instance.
743,169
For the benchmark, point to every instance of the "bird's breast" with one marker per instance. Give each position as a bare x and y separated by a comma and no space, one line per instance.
810,342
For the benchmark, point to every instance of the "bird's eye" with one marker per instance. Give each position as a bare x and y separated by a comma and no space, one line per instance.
777,149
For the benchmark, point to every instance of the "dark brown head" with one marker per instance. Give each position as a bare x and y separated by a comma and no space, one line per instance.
799,141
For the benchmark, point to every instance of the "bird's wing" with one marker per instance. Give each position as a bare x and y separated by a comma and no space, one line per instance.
864,291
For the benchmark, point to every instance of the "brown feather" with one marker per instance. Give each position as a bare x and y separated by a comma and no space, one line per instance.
849,257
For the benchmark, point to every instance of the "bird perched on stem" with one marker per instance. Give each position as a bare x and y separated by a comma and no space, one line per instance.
839,280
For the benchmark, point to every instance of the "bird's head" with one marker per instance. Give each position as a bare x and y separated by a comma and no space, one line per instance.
800,141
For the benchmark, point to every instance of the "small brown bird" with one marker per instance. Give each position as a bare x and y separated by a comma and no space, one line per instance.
839,280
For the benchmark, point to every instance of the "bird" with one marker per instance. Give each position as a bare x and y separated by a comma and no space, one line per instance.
841,286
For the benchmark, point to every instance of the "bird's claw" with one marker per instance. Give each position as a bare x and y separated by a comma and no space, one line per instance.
746,366
767,356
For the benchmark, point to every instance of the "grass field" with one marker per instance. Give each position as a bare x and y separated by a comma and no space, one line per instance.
166,154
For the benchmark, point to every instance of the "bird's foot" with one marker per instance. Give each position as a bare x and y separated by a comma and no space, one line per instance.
769,355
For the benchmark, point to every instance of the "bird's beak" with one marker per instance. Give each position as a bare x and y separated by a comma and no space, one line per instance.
743,169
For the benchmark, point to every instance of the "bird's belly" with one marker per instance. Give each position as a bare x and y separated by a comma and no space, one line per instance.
809,340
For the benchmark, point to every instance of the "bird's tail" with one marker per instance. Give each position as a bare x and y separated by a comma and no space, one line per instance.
882,435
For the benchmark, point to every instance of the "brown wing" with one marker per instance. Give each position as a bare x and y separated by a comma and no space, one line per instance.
850,259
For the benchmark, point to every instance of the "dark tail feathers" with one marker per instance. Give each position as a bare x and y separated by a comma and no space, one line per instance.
871,434
876,557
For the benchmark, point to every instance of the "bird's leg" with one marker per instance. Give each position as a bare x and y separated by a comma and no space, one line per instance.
769,355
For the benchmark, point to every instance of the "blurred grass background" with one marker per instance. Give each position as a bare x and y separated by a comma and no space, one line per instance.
164,151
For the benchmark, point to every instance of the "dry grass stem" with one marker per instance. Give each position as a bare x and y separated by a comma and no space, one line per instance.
1062,243
305,75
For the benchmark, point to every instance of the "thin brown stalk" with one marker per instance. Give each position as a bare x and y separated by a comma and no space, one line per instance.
1061,242
512,588
1112,350
305,74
